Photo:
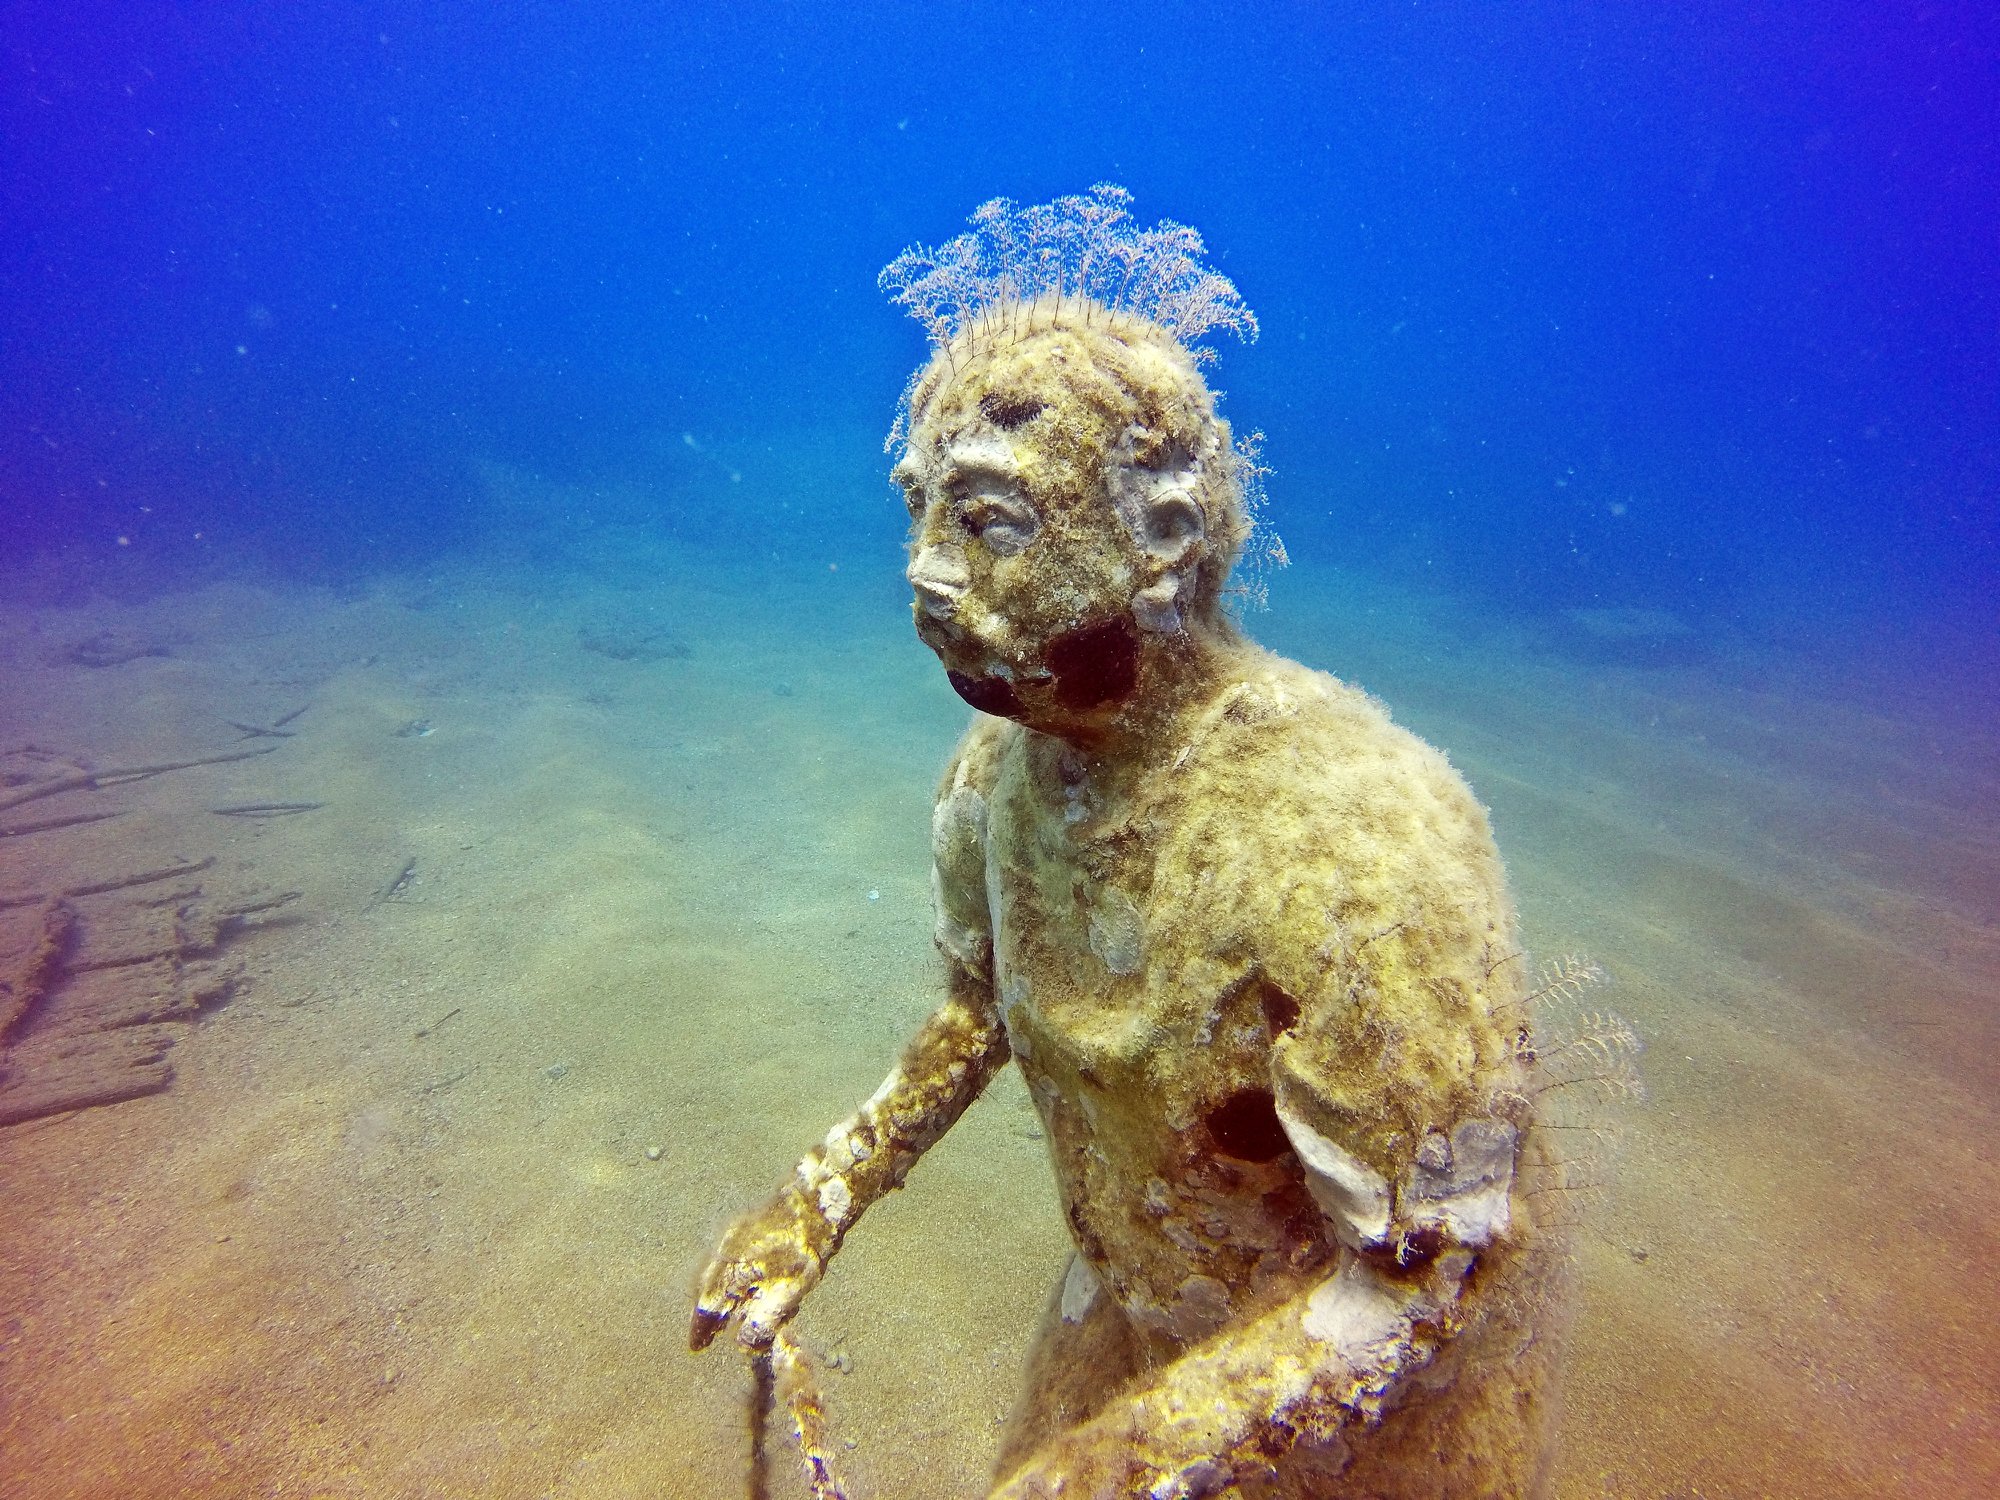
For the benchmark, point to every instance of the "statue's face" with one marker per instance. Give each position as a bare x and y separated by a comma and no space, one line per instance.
1057,485
1025,595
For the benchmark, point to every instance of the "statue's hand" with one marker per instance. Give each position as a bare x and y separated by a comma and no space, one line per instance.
761,1272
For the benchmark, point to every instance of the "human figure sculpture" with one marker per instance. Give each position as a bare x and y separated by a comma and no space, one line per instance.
1249,942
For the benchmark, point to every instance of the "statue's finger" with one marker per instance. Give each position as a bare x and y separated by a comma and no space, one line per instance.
706,1325
723,1288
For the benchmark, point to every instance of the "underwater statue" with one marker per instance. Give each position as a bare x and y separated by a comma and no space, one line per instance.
1249,942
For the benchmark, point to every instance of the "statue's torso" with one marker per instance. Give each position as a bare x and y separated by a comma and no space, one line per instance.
1300,899
1159,936
1128,1054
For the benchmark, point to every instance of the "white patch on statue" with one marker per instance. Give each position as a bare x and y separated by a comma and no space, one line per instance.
1079,1290
835,1201
1351,1194
1117,932
1363,1315
1461,1186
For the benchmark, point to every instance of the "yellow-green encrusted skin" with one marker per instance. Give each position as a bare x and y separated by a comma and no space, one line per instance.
1250,944
1298,839
1248,884
1297,849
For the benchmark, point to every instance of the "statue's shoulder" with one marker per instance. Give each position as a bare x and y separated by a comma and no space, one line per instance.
1362,747
975,764
1294,766
958,843
1272,706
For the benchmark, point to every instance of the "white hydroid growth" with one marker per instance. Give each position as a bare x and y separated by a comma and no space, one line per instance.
1063,259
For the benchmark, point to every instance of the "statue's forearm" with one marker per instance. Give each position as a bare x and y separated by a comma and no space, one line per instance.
774,1255
947,1064
1223,1412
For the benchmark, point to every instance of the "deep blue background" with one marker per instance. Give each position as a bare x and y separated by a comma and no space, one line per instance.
1694,305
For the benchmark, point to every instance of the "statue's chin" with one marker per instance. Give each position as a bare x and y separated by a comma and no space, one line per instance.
1087,670
990,695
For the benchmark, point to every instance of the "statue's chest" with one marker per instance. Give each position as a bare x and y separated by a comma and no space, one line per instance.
1068,875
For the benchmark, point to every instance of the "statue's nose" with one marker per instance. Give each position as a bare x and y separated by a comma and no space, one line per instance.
940,577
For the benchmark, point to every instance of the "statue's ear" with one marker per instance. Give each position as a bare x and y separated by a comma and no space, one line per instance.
1173,526
1171,532
1156,500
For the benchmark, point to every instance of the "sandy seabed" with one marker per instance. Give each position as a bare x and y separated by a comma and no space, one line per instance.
421,1209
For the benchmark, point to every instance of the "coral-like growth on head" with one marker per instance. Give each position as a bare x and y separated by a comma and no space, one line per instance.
1070,256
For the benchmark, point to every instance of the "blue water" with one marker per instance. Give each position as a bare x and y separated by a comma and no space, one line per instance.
494,398
1692,307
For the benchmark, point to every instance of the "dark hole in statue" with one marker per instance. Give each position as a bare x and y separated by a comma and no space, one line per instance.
1096,664
1245,1126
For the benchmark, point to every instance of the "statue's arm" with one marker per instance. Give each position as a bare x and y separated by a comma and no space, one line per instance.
1224,1412
774,1255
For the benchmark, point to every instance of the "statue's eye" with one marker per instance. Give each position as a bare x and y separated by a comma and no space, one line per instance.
1004,526
988,501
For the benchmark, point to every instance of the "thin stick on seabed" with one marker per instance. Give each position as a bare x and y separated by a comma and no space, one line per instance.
116,883
15,830
78,781
275,730
763,1397
388,892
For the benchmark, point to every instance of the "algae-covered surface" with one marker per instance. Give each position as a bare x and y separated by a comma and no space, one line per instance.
617,895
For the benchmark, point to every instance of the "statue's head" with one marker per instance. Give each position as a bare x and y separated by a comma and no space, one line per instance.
1077,502
1073,493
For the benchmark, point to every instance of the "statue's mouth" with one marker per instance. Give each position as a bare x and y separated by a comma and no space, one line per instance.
1092,667
960,647
937,633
